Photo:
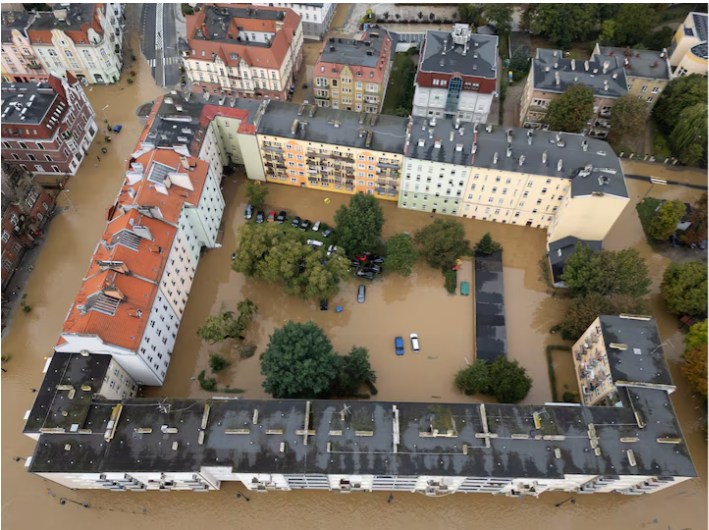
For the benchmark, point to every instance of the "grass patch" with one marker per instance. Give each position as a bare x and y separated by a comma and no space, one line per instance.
646,211
399,95
550,367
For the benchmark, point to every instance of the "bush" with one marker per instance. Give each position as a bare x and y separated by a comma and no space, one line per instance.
247,351
451,280
475,379
684,288
217,363
487,246
26,308
207,383
130,81
509,381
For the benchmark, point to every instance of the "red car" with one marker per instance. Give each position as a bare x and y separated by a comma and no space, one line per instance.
272,216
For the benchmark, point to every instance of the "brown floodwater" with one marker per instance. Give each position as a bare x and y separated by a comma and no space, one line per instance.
394,306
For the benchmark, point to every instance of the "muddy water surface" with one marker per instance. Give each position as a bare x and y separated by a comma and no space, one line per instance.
394,306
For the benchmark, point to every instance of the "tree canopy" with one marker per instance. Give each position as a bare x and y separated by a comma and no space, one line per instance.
697,231
633,24
487,246
629,116
218,327
695,357
299,362
359,226
684,288
583,310
571,111
256,194
470,13
689,137
354,371
475,379
608,273
504,379
500,15
664,223
401,254
564,23
520,63
680,93
442,242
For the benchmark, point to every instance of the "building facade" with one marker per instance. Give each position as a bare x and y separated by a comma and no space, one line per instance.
316,18
457,75
551,74
321,148
688,52
85,40
647,72
18,59
243,50
353,74
47,127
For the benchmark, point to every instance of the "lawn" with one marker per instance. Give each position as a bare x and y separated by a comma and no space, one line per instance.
400,91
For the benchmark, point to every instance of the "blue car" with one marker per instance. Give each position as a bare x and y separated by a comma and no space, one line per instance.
399,345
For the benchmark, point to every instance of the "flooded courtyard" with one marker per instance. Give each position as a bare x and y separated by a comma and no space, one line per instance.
394,306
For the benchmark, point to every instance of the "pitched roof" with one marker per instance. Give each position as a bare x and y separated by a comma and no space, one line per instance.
367,59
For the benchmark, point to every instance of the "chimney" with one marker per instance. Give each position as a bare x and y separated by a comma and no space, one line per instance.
545,157
557,79
586,65
522,159
508,152
606,64
495,157
459,147
584,145
451,136
509,136
573,64
560,164
422,142
437,143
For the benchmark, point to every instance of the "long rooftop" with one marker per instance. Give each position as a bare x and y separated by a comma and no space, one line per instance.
27,103
477,57
637,63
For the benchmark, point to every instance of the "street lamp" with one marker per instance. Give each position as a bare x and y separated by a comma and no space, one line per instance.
103,110
654,181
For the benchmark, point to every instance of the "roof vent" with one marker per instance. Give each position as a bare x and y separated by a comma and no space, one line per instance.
437,143
488,127
584,145
495,157
586,65
422,142
560,164
459,147
522,159
545,158
573,64
508,152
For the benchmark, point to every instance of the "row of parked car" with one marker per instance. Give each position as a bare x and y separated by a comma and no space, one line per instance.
367,265
399,344
281,217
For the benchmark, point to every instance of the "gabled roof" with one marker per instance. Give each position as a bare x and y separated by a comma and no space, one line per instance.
367,58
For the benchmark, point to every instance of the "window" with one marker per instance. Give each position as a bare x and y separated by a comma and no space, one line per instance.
5,237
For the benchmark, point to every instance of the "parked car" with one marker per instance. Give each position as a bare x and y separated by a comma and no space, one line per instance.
376,269
327,232
361,293
316,226
315,243
304,224
271,216
399,345
295,223
260,216
323,305
331,250
414,341
377,260
366,275
281,217
233,256
354,263
249,212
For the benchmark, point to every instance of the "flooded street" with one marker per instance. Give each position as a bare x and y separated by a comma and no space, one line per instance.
394,306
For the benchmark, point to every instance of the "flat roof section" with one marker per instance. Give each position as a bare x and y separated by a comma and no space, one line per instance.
490,331
441,54
26,103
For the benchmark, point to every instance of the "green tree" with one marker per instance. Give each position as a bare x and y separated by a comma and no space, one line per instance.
664,223
509,381
487,246
256,194
695,357
571,111
684,288
354,371
564,23
520,63
299,362
475,379
501,16
470,14
401,254
207,383
247,309
629,116
217,363
680,93
442,242
607,36
633,23
581,313
659,39
359,227
697,231
255,243
696,336
606,272
217,327
689,137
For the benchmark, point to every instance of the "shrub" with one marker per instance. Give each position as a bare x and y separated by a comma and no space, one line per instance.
487,246
217,363
207,383
451,280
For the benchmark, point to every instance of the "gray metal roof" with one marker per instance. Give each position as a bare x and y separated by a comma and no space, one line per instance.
642,360
700,25
14,20
641,63
547,68
561,249
76,16
26,103
217,21
456,151
480,60
363,442
490,331
355,52
338,127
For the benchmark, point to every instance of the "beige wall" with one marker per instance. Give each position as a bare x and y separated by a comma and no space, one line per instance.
587,217
591,348
648,90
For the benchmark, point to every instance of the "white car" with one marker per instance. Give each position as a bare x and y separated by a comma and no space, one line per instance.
414,342
315,243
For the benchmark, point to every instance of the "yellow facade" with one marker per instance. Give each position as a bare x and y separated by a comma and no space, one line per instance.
588,217
593,373
330,167
349,92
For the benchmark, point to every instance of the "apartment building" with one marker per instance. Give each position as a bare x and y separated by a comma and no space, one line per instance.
133,297
243,50
47,127
72,381
316,18
85,40
18,59
616,354
457,75
26,207
335,150
647,72
688,52
353,74
552,74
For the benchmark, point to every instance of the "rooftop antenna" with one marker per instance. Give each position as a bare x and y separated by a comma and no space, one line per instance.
344,412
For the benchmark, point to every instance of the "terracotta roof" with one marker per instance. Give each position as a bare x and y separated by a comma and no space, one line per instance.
79,18
336,54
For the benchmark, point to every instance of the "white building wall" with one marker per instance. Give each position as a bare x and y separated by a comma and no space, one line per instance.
158,341
117,383
423,180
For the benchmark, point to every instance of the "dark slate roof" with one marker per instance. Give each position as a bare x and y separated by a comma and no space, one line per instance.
77,16
643,360
218,19
51,404
490,332
338,127
14,20
640,63
26,103
480,59
546,66
420,128
700,25
561,249
363,442
354,52
700,50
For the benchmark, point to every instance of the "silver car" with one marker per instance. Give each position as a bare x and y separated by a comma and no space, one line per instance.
361,292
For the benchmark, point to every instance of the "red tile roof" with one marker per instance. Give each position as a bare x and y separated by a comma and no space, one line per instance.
360,73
